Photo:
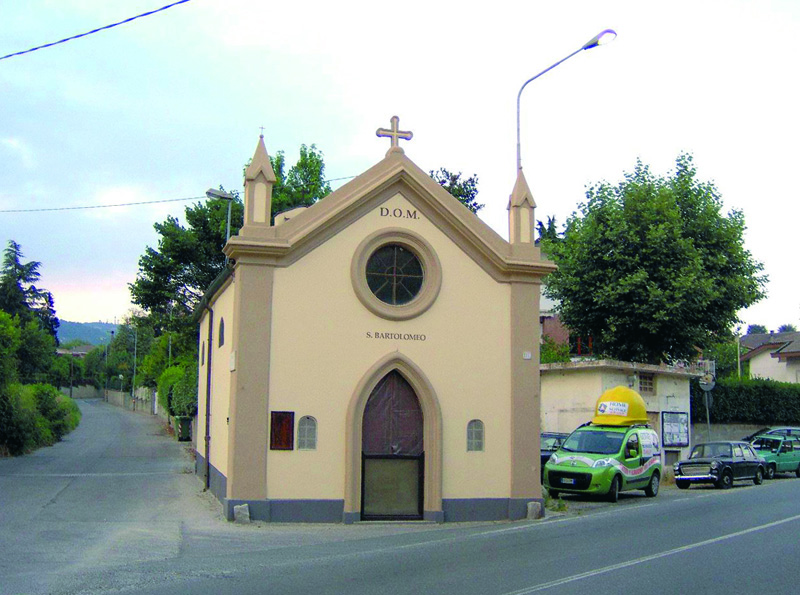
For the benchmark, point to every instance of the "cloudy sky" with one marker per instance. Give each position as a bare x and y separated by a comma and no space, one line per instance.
166,106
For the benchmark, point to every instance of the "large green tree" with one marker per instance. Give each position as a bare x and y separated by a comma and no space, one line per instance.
19,295
651,268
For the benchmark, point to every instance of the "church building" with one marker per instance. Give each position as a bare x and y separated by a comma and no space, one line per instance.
373,356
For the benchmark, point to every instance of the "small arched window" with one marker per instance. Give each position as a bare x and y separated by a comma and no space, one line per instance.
307,433
221,332
202,353
475,435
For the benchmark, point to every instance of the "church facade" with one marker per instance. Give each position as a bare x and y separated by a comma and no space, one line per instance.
373,356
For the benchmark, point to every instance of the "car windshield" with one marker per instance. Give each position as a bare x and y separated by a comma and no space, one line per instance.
702,451
594,441
766,444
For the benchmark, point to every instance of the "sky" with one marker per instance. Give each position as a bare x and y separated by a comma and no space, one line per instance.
166,106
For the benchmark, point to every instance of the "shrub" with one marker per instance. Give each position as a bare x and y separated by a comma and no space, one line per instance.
758,402
166,385
184,395
33,416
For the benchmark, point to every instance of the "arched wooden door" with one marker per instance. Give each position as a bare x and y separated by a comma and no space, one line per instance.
392,473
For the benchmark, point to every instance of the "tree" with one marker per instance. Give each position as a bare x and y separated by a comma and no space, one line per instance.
548,233
651,269
464,190
303,185
787,328
757,329
18,294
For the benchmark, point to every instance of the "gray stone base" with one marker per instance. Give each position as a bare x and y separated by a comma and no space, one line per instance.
486,509
218,484
289,511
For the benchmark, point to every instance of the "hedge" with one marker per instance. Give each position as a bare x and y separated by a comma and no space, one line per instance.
758,402
33,416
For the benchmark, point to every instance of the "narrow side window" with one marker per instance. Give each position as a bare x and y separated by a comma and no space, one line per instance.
221,332
475,436
307,433
203,353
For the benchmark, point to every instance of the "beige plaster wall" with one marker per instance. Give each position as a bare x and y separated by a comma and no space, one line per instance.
317,320
764,365
568,398
220,382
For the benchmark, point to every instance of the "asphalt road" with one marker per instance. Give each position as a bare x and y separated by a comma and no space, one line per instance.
112,510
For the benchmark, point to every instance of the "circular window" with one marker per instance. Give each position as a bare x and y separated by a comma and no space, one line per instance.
396,274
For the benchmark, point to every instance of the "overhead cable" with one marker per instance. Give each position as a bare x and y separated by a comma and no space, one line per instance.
66,39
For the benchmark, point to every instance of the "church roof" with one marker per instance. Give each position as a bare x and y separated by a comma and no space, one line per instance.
396,173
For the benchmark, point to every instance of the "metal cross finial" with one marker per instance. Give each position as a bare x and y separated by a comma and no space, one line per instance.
262,131
395,134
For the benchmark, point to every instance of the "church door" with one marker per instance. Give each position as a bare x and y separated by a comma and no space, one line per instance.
392,452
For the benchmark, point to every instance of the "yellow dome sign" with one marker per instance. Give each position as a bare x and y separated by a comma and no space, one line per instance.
620,406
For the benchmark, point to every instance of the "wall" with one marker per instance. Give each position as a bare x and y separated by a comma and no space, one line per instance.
83,392
317,320
221,375
764,365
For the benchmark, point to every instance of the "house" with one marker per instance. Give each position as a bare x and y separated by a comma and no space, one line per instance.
775,356
570,391
373,356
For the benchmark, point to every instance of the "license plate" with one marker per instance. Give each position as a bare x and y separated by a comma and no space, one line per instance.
568,480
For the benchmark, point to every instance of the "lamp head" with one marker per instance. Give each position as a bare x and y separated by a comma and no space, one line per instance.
214,193
605,36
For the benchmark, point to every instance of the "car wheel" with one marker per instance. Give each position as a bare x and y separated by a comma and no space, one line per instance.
613,492
798,471
651,491
682,484
725,481
759,477
770,472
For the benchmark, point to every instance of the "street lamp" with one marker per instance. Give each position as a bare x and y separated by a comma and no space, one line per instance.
602,38
221,194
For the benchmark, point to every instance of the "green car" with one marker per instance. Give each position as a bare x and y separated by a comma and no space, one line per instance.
781,453
605,460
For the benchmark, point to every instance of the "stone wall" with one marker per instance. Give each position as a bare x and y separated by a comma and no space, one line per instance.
83,392
722,432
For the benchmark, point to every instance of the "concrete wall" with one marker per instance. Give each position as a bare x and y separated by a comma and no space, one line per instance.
83,392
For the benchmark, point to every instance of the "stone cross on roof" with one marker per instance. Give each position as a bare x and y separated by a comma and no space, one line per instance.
395,135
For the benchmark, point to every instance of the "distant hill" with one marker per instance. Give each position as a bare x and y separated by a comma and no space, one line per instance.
95,333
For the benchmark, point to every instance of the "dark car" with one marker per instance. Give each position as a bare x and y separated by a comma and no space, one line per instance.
782,431
550,442
720,463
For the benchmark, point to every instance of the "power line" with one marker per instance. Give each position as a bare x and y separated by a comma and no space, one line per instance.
66,39
128,204
123,204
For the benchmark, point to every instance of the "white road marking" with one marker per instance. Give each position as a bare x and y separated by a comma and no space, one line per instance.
621,565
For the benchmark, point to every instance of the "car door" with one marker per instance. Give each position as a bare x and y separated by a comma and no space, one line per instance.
739,466
632,455
751,458
786,460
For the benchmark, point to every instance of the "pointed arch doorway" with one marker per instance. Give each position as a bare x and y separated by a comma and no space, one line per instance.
392,452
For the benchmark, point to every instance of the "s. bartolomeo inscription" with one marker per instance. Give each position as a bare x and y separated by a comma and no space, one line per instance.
398,213
396,336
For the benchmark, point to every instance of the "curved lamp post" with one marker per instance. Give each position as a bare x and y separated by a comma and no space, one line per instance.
602,38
